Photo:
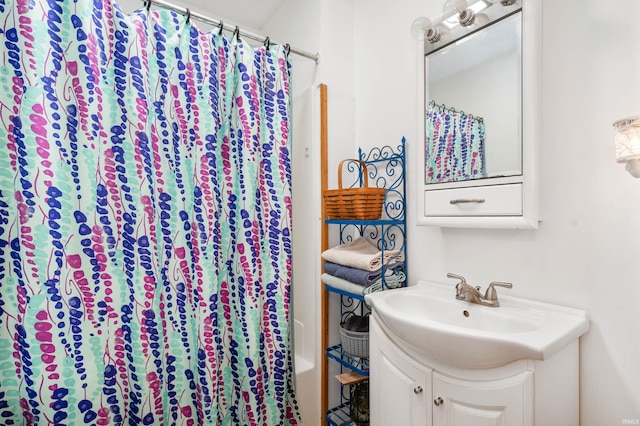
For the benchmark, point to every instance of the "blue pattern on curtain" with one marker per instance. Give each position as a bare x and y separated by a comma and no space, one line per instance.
145,221
454,146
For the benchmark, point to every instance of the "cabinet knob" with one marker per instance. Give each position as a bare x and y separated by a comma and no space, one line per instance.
438,401
417,390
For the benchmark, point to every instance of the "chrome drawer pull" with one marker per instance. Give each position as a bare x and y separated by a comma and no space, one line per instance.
438,401
467,200
417,390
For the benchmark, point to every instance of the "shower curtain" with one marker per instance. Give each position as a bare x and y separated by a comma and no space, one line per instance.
145,221
454,146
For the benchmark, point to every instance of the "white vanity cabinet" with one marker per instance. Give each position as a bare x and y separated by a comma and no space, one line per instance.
482,403
400,391
407,388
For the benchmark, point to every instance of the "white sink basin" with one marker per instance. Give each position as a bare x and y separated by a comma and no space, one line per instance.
430,319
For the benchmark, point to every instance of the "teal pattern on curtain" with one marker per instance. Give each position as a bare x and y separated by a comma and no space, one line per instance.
454,146
145,221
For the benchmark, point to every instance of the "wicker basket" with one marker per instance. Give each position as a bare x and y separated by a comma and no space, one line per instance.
362,203
355,343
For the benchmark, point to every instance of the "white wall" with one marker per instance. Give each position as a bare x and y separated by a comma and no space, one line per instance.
585,252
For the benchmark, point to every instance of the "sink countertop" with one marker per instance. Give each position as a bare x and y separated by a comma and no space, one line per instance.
429,318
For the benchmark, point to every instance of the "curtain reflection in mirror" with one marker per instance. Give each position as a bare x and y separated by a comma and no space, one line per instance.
454,148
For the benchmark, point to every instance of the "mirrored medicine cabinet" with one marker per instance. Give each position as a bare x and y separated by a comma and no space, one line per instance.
479,116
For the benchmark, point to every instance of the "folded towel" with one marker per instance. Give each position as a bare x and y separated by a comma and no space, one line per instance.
361,254
360,276
395,281
340,284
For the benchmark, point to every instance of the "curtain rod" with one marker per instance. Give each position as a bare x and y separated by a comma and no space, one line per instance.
194,15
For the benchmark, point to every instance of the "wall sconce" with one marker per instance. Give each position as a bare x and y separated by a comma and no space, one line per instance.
627,139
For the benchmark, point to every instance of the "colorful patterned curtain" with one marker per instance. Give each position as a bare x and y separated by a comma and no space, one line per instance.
145,221
454,148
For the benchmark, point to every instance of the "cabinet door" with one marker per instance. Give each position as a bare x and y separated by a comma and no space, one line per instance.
400,389
504,402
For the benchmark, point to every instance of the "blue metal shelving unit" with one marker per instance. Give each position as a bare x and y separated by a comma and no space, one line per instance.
359,365
386,168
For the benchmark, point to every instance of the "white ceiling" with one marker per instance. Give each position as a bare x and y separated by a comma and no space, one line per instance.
248,14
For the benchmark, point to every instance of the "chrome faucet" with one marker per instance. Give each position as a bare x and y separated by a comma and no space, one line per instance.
472,294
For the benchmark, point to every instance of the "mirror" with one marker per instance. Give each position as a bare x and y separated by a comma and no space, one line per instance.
473,108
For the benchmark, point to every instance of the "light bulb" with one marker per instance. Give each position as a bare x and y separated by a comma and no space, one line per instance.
481,20
437,34
419,27
633,167
452,7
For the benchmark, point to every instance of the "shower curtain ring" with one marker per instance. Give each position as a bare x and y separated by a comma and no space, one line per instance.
287,49
147,4
267,43
188,16
236,33
220,28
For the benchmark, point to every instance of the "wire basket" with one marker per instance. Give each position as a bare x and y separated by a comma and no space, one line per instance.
355,343
361,203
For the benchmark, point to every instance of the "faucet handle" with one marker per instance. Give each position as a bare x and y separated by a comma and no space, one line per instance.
458,277
491,293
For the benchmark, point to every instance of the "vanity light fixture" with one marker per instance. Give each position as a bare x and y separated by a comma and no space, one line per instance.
457,16
627,139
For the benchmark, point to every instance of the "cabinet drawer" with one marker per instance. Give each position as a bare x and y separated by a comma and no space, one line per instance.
497,200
